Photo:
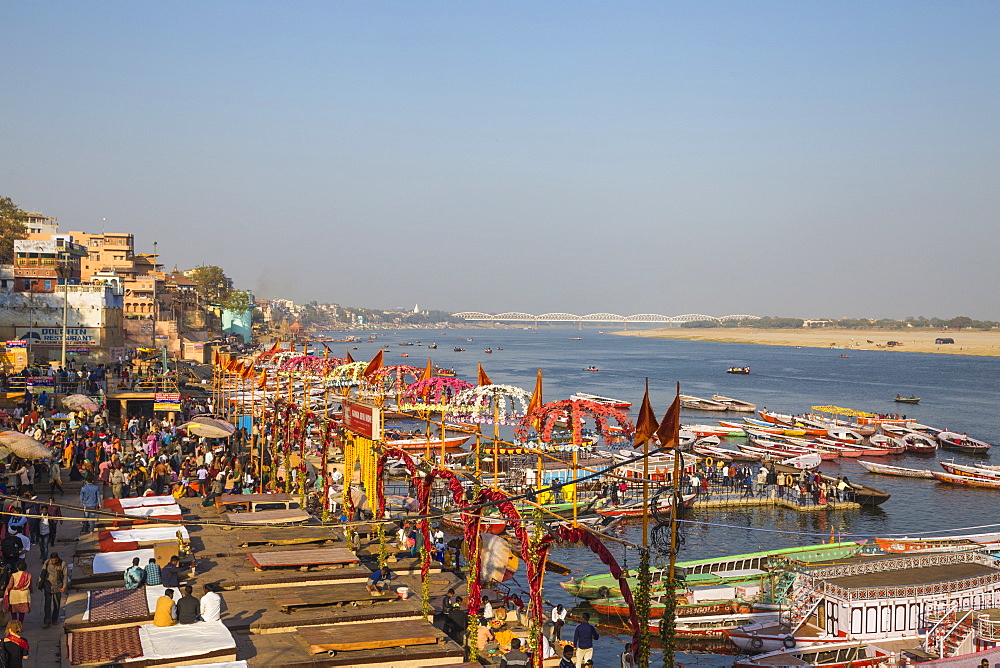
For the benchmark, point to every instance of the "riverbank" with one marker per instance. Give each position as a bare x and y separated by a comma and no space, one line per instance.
986,344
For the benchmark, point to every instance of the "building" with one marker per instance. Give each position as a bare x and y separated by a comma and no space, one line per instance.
36,223
41,265
107,252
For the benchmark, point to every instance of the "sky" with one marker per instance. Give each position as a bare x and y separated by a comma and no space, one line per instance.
768,158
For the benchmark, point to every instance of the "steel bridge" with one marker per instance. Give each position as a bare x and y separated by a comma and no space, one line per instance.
624,320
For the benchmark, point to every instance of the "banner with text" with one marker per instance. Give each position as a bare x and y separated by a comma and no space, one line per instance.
363,420
167,401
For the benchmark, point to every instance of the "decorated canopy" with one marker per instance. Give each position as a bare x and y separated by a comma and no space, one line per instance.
837,410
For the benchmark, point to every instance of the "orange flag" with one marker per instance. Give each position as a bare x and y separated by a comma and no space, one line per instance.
262,381
215,357
428,371
247,371
536,399
483,378
275,348
375,364
645,424
350,360
669,430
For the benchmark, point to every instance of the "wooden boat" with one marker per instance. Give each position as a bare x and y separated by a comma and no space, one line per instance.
736,405
617,607
966,481
638,508
970,471
444,372
604,401
866,496
752,642
844,654
699,404
784,430
488,351
703,430
885,469
893,445
451,443
921,545
744,370
961,442
903,400
717,626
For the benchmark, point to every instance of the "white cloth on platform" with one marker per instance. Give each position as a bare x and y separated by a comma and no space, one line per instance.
140,501
153,533
153,511
183,640
117,562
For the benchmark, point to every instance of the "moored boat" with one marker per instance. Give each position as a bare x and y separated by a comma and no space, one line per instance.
736,405
699,404
604,401
961,442
966,481
885,469
970,471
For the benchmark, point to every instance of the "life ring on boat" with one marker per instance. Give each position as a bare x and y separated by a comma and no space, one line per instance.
603,592
709,461
788,641
756,642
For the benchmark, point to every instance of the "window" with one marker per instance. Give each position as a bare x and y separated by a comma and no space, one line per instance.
48,286
27,284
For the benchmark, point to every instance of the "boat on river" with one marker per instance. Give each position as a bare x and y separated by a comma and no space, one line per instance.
717,626
966,481
743,370
735,405
699,404
961,442
604,401
638,508
886,469
970,471
907,400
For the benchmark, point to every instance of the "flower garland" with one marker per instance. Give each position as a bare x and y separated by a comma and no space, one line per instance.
641,650
352,371
310,365
433,393
668,628
572,413
391,379
486,404
348,500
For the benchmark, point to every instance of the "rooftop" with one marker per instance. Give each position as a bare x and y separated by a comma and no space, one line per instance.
914,576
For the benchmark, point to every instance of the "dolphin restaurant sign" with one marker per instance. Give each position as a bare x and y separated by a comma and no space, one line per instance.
363,420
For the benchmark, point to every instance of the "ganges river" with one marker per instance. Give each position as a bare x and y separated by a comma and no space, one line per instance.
958,393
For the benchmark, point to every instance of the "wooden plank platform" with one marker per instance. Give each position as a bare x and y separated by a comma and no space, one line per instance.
288,650
268,517
319,596
354,637
325,556
249,501
257,611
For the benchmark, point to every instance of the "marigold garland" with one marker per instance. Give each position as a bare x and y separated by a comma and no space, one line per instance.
641,651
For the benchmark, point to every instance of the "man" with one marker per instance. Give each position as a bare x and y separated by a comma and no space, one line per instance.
627,660
202,481
25,542
161,478
170,574
44,528
118,478
515,658
567,661
188,607
166,610
211,604
90,499
55,512
134,575
153,572
583,639
382,576
54,580
10,548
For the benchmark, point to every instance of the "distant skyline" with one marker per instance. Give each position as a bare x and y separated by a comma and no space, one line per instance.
770,158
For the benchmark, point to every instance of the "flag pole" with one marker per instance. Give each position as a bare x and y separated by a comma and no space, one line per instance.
645,486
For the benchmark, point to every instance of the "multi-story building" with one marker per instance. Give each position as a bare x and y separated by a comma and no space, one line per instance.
106,252
36,223
41,265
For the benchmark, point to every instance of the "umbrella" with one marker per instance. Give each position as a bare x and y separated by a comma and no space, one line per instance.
23,445
209,427
79,402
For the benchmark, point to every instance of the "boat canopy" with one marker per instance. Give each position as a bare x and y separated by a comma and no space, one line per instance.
837,410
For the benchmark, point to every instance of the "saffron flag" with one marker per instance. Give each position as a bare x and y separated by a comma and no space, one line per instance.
645,424
275,348
669,430
374,365
248,371
483,378
428,371
262,381
350,360
536,400
215,358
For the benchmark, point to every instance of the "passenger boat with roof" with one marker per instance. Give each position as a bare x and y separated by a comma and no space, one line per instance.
885,469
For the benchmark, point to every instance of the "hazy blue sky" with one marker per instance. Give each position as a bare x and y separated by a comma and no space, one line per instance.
774,158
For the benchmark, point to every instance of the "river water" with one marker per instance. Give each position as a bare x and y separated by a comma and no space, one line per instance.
958,393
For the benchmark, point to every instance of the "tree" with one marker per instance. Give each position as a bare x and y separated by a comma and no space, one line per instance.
213,284
238,301
11,228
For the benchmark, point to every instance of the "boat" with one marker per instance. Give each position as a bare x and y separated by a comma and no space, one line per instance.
699,404
744,370
736,405
893,445
971,471
904,400
921,545
444,372
961,442
420,442
717,625
638,508
432,346
458,350
966,481
840,654
576,338
703,430
598,399
866,496
885,469
404,355
591,368
753,642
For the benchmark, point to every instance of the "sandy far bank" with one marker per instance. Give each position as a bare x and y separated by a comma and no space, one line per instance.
921,341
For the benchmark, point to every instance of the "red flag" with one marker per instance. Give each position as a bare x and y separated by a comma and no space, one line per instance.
645,424
350,360
483,378
669,430
375,364
428,371
216,359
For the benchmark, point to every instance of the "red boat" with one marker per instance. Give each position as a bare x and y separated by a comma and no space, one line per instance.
637,509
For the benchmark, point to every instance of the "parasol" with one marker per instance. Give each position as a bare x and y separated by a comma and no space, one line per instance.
23,445
79,402
209,427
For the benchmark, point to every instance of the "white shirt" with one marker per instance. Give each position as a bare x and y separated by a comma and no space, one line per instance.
211,607
336,476
559,616
487,610
25,542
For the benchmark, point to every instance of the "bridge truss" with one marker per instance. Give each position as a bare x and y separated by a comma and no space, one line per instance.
514,316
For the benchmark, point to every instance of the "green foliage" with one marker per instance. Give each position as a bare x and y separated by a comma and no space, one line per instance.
238,301
11,228
212,283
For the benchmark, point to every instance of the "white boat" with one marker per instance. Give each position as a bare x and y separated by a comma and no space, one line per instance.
753,642
885,469
699,404
736,405
963,442
598,399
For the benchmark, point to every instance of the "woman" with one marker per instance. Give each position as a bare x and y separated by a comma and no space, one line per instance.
17,593
14,646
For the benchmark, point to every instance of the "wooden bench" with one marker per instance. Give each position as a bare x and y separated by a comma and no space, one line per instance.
320,596
352,637
268,517
250,502
324,556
